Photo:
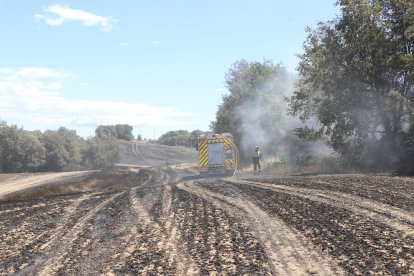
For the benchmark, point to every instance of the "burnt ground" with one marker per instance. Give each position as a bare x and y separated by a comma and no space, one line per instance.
151,221
148,154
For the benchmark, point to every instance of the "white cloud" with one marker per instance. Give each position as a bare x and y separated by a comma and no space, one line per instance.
5,70
56,15
31,96
33,73
154,42
124,44
54,86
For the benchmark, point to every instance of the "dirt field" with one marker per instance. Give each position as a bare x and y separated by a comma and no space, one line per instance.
145,154
11,183
149,221
163,220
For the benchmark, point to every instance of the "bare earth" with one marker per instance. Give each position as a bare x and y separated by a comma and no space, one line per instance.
15,182
160,220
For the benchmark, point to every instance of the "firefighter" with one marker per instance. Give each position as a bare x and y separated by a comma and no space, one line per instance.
257,155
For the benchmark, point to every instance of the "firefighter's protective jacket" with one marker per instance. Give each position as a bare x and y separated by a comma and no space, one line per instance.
256,155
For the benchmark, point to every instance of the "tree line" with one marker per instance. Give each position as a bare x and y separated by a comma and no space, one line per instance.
354,92
53,150
180,138
119,131
357,79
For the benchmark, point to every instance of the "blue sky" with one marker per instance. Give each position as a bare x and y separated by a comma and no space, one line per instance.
151,64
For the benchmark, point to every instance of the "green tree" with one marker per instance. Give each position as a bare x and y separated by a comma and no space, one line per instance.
254,108
176,138
62,149
124,132
20,150
101,152
105,130
180,138
119,131
357,76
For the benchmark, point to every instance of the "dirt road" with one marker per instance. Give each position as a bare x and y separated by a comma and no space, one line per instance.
11,183
147,154
160,220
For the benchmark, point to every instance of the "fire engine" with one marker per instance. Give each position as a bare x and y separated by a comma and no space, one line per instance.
217,154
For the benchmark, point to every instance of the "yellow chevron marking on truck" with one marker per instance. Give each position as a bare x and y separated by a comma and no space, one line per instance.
203,153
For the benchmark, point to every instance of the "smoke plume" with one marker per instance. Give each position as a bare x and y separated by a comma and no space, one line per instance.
264,122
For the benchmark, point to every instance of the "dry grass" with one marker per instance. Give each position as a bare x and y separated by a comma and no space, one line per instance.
50,190
109,179
320,166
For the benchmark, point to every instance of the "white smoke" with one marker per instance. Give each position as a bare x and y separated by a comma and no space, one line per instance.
265,122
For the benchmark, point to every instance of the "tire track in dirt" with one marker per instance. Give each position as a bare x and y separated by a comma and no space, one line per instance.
21,222
133,235
370,183
393,191
389,215
218,242
138,153
381,189
26,230
360,245
367,187
157,160
69,212
212,226
18,210
146,241
287,250
185,265
152,201
53,260
161,229
43,241
100,241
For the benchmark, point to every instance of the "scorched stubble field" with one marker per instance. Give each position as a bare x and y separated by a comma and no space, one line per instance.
160,221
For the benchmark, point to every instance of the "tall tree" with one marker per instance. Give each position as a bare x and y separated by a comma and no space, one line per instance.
119,131
20,150
62,149
254,107
105,130
180,138
101,152
357,80
176,138
124,132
